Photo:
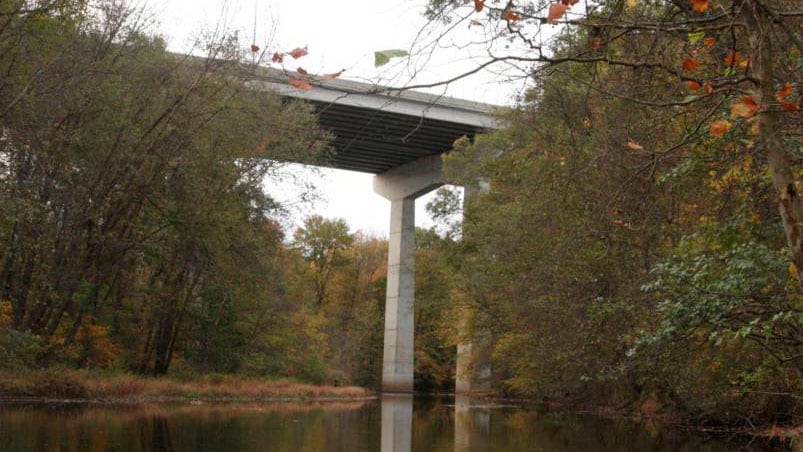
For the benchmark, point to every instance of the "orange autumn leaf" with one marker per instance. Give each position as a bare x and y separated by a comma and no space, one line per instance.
719,128
709,42
784,92
791,107
300,84
691,64
745,108
570,2
277,57
478,5
510,15
733,58
693,85
556,11
595,44
748,100
298,52
708,88
699,6
741,110
633,145
334,75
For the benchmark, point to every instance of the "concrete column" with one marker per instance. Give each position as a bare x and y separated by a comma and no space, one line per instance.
402,185
397,423
397,361
473,355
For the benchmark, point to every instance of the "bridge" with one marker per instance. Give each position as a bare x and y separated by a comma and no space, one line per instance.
398,136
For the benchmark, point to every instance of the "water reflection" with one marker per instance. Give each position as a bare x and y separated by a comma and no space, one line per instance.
472,425
397,422
394,423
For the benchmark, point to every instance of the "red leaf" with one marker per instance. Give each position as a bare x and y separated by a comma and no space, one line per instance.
298,52
510,15
478,5
791,107
277,57
733,58
708,88
556,11
300,84
691,64
692,85
709,42
748,100
254,48
595,44
699,6
741,110
302,71
334,75
784,92
719,128
745,108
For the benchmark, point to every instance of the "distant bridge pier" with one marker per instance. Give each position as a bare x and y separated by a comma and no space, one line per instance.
473,373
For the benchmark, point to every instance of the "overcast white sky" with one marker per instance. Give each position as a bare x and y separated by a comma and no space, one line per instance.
338,34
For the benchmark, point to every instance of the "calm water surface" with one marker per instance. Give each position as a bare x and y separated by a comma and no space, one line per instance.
391,424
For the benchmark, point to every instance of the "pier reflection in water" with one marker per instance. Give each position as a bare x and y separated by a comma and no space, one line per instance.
472,425
397,422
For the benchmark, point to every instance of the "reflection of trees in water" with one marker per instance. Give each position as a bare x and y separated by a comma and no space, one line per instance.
434,424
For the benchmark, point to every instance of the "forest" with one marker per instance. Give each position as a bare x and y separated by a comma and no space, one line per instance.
628,257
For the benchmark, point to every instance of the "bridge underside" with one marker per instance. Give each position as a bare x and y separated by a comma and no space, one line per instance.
375,141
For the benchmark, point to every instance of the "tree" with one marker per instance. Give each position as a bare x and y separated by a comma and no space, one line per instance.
322,243
611,272
731,69
131,181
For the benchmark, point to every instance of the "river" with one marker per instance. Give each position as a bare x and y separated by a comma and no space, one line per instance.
392,423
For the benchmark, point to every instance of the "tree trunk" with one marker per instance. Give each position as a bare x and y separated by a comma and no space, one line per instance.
769,120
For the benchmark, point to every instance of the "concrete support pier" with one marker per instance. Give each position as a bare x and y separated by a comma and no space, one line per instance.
473,371
397,361
402,185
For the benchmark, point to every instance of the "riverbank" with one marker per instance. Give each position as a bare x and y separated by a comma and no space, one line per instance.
85,386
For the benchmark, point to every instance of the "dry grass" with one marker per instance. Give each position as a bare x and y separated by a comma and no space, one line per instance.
81,385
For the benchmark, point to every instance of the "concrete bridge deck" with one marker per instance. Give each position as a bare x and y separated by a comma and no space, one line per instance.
377,129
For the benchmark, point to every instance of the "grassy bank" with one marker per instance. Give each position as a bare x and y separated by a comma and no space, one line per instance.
126,388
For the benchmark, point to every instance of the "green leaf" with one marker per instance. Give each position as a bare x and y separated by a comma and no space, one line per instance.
694,37
382,57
